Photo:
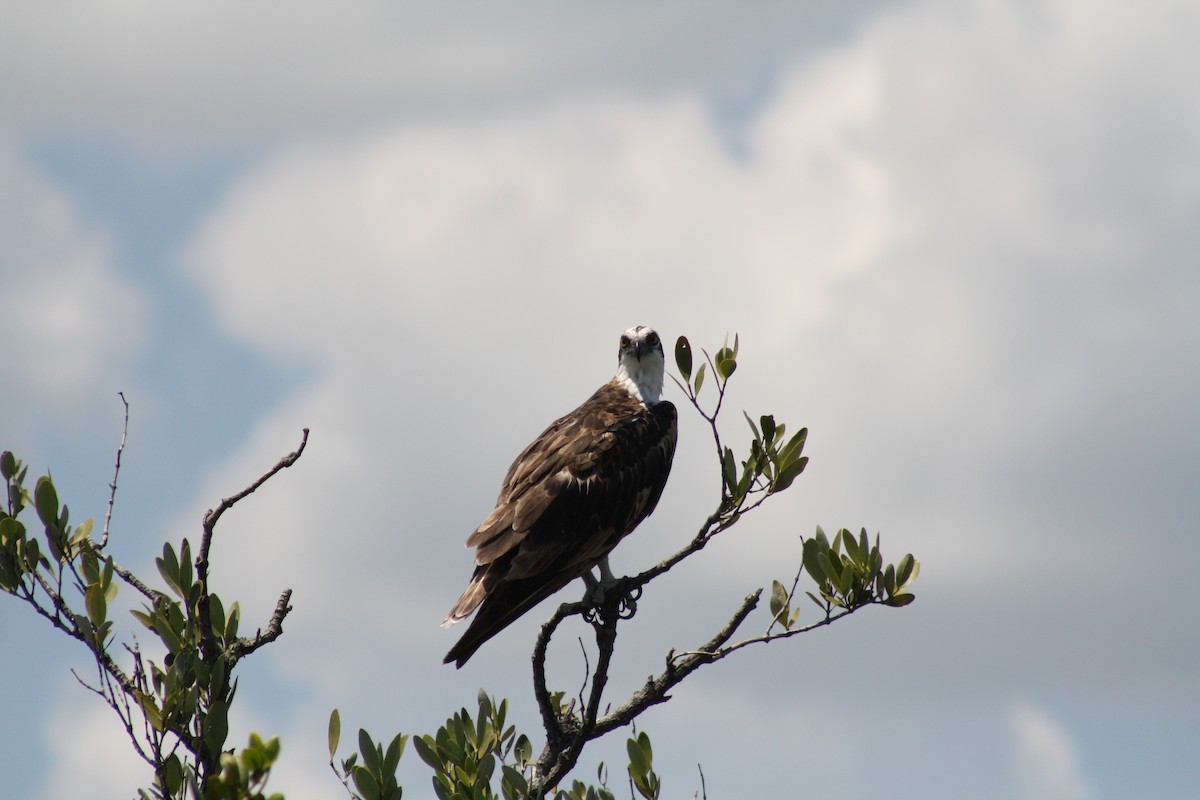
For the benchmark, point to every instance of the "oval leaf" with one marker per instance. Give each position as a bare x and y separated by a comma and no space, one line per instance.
335,732
45,499
97,608
683,357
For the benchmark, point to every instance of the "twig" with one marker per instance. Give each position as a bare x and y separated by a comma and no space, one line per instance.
153,595
587,671
212,515
244,647
112,487
208,642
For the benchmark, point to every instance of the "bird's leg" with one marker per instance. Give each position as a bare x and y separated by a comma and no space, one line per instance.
598,588
591,584
606,576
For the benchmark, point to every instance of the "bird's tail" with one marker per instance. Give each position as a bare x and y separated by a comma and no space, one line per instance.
472,596
500,606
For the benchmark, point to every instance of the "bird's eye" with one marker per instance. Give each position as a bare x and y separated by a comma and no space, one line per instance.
652,339
624,342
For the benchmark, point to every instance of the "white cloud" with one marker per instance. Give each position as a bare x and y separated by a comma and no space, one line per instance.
91,753
1046,757
74,327
951,245
900,226
174,84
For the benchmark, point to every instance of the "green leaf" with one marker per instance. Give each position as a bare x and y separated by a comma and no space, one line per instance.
900,600
151,710
513,778
821,538
11,530
889,580
391,759
788,474
767,421
729,467
856,556
779,600
699,379
795,445
168,568
45,499
812,549
8,463
216,725
487,765
82,531
231,622
758,437
8,573
427,750
726,362
185,568
524,750
142,617
106,579
96,607
683,359
366,748
366,783
637,760
90,566
32,554
904,569
173,773
335,732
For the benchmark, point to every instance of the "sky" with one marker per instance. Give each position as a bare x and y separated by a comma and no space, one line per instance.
957,241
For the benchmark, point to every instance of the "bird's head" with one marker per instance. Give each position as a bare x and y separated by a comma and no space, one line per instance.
640,363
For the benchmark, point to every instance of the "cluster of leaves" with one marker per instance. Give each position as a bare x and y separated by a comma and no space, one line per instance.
243,775
849,573
24,568
375,778
857,576
191,691
641,766
774,460
479,757
176,714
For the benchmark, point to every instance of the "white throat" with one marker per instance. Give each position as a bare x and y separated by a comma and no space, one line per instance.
642,378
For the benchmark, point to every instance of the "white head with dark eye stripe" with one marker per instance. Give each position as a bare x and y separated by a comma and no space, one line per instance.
640,363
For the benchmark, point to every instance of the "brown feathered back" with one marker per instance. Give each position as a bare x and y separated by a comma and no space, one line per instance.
567,500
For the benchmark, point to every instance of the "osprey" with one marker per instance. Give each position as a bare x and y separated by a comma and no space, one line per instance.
567,500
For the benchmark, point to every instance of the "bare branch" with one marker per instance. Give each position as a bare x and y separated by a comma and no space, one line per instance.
208,642
213,515
244,647
112,487
152,595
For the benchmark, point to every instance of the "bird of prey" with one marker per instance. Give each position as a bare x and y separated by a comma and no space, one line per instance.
567,500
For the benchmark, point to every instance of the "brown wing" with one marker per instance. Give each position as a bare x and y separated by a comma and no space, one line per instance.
567,500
